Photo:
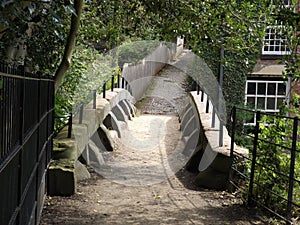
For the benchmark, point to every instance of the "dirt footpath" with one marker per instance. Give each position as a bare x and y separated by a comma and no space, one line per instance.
99,201
136,184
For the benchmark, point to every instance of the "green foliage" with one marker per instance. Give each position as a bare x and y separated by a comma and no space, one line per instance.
275,158
88,71
132,52
40,28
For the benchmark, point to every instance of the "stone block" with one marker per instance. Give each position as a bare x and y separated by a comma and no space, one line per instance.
212,179
119,113
221,163
61,177
81,172
64,149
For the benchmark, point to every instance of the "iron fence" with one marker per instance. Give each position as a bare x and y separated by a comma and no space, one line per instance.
115,81
269,176
26,129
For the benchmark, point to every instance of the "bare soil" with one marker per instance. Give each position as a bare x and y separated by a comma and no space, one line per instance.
174,201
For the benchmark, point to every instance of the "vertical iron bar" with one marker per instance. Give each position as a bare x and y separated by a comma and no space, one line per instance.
221,133
202,95
198,89
213,119
112,82
123,82
1,118
220,97
52,93
233,123
292,170
232,136
104,89
21,137
39,144
81,114
118,82
207,105
94,98
70,123
9,113
255,144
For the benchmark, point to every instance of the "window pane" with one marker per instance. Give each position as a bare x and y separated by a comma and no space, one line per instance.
279,102
271,88
260,103
271,103
251,88
281,89
261,89
251,102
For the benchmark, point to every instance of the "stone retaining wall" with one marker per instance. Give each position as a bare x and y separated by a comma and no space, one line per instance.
65,168
140,74
211,162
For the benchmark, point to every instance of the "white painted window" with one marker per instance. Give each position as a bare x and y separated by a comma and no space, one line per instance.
265,95
275,41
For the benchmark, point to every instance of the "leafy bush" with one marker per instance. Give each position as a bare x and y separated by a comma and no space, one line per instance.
273,164
88,72
132,52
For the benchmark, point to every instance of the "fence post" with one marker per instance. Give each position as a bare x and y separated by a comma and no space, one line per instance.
94,98
202,95
213,119
207,105
112,82
118,82
70,123
221,133
81,114
104,89
233,123
292,170
123,82
255,144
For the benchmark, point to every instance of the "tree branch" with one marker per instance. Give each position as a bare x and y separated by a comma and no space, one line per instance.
70,45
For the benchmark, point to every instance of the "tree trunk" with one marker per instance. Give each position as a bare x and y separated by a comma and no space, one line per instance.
70,45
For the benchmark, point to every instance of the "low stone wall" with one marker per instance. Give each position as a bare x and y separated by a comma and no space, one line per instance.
211,162
140,74
65,168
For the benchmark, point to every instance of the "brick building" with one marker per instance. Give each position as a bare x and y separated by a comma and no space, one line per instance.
265,87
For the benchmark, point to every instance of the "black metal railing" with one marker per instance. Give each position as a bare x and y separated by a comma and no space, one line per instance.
26,131
269,176
114,81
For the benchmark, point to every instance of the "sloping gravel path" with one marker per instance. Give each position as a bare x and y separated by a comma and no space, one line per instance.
133,186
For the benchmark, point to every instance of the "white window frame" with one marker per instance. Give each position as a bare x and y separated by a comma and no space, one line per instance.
274,42
273,35
266,96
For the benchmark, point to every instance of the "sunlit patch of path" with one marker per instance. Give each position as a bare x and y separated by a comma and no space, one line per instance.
147,153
